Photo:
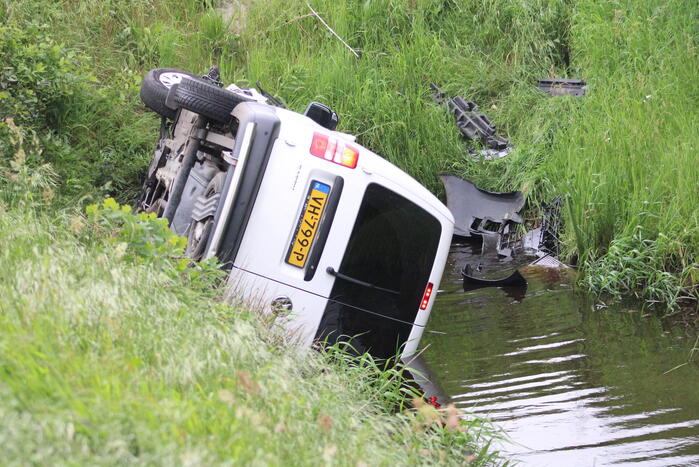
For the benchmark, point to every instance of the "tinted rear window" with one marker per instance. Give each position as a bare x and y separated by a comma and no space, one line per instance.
392,246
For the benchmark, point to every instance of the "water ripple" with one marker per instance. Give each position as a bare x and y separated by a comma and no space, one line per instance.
569,385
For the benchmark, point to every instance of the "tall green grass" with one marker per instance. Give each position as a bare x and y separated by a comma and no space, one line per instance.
624,157
72,71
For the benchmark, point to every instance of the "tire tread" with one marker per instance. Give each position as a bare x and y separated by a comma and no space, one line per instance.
206,99
153,93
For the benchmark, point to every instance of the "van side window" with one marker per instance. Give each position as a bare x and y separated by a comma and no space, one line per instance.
392,246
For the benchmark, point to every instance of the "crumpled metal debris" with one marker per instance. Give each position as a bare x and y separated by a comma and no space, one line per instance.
514,285
474,125
562,86
513,280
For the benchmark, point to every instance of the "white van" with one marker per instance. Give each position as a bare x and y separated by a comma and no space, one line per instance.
334,239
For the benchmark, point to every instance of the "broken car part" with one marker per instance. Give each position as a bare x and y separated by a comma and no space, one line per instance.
494,218
561,86
541,242
513,280
514,285
473,125
478,211
548,261
276,102
213,76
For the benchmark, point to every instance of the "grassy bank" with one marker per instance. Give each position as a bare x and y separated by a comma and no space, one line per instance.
109,357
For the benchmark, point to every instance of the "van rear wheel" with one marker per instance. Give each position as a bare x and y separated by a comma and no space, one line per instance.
203,218
206,99
156,85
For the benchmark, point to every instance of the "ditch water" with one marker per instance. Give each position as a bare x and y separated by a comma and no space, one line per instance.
568,383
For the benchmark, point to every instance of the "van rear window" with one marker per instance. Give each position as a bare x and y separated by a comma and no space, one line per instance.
392,246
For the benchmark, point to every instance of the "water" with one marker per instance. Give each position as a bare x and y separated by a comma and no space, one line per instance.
570,384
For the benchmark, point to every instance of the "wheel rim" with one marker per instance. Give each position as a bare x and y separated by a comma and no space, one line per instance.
198,236
169,78
198,231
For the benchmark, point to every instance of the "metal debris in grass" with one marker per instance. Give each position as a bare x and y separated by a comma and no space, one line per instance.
474,126
561,86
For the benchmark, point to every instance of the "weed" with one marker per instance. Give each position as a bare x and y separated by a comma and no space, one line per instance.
632,264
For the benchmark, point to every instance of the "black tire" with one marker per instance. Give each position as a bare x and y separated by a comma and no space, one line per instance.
155,87
199,231
208,100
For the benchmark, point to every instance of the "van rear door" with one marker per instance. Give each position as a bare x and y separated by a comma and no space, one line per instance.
340,243
395,251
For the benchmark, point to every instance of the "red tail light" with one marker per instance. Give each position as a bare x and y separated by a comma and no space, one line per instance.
426,296
334,150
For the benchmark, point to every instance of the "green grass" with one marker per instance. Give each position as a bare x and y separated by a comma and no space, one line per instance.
624,157
112,352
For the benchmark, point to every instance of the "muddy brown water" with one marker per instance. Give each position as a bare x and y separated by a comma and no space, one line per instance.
569,383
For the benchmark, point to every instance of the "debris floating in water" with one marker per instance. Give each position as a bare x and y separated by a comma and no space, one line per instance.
479,212
513,280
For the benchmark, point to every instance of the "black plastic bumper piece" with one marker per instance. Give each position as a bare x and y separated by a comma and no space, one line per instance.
473,125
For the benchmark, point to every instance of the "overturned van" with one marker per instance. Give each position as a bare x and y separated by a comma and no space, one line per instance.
331,238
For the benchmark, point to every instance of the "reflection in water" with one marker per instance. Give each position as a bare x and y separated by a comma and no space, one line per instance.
569,385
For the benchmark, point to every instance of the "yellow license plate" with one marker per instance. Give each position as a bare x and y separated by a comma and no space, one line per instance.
308,224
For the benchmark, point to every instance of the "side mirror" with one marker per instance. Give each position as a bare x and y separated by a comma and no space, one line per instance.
322,115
